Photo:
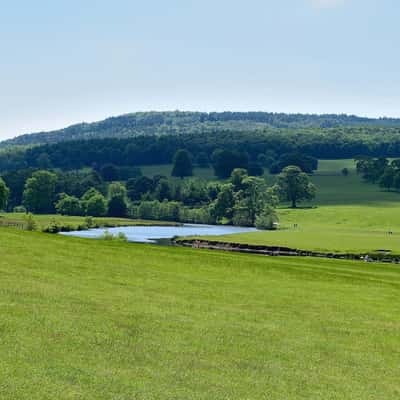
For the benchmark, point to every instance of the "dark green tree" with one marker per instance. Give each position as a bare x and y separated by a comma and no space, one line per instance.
109,173
4,193
69,205
182,164
137,187
294,185
15,181
223,205
39,193
96,206
117,204
162,190
89,194
387,178
225,161
237,177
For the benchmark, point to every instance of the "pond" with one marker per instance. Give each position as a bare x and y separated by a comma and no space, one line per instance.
161,234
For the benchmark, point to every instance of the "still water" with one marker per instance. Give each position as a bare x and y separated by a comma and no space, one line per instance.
155,234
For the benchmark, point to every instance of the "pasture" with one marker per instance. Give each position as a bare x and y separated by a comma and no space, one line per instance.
73,222
348,215
86,319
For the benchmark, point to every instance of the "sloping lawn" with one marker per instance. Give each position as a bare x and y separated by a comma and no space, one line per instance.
87,319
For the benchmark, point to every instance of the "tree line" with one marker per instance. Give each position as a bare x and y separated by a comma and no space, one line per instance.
241,199
380,170
147,150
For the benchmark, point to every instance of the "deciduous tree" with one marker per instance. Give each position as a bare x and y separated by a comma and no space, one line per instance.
182,164
39,192
294,185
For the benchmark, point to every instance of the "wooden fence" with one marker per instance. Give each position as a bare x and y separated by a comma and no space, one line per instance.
12,224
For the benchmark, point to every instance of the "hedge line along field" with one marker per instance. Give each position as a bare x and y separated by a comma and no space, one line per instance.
88,319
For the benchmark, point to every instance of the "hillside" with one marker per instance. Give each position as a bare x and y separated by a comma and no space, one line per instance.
176,122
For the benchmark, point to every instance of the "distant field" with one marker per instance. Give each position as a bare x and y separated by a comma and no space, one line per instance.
349,216
332,187
86,319
335,189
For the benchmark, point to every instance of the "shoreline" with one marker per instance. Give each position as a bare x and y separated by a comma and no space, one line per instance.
275,251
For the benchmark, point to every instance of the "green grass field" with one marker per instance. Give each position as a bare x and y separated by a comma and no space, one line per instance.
74,222
87,319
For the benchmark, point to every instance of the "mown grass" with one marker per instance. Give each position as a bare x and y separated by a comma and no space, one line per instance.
74,223
86,319
349,229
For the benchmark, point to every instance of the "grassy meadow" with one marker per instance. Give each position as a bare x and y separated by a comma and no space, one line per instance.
348,215
74,222
87,319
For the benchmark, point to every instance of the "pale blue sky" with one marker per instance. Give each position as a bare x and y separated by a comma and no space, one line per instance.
68,61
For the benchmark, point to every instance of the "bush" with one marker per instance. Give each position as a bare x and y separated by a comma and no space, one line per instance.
268,219
89,222
31,224
120,236
53,227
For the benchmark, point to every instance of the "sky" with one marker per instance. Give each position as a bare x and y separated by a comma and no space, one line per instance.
68,61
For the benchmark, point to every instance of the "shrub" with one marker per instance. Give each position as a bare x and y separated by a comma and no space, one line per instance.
31,224
120,236
89,222
268,219
53,227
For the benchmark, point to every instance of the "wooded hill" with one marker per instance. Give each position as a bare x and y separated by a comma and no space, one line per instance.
178,122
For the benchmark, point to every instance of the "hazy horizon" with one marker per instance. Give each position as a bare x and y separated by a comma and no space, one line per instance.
70,62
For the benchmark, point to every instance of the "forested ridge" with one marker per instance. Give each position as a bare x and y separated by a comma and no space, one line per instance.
179,122
328,143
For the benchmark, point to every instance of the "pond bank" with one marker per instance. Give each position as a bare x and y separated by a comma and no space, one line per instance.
162,234
284,251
